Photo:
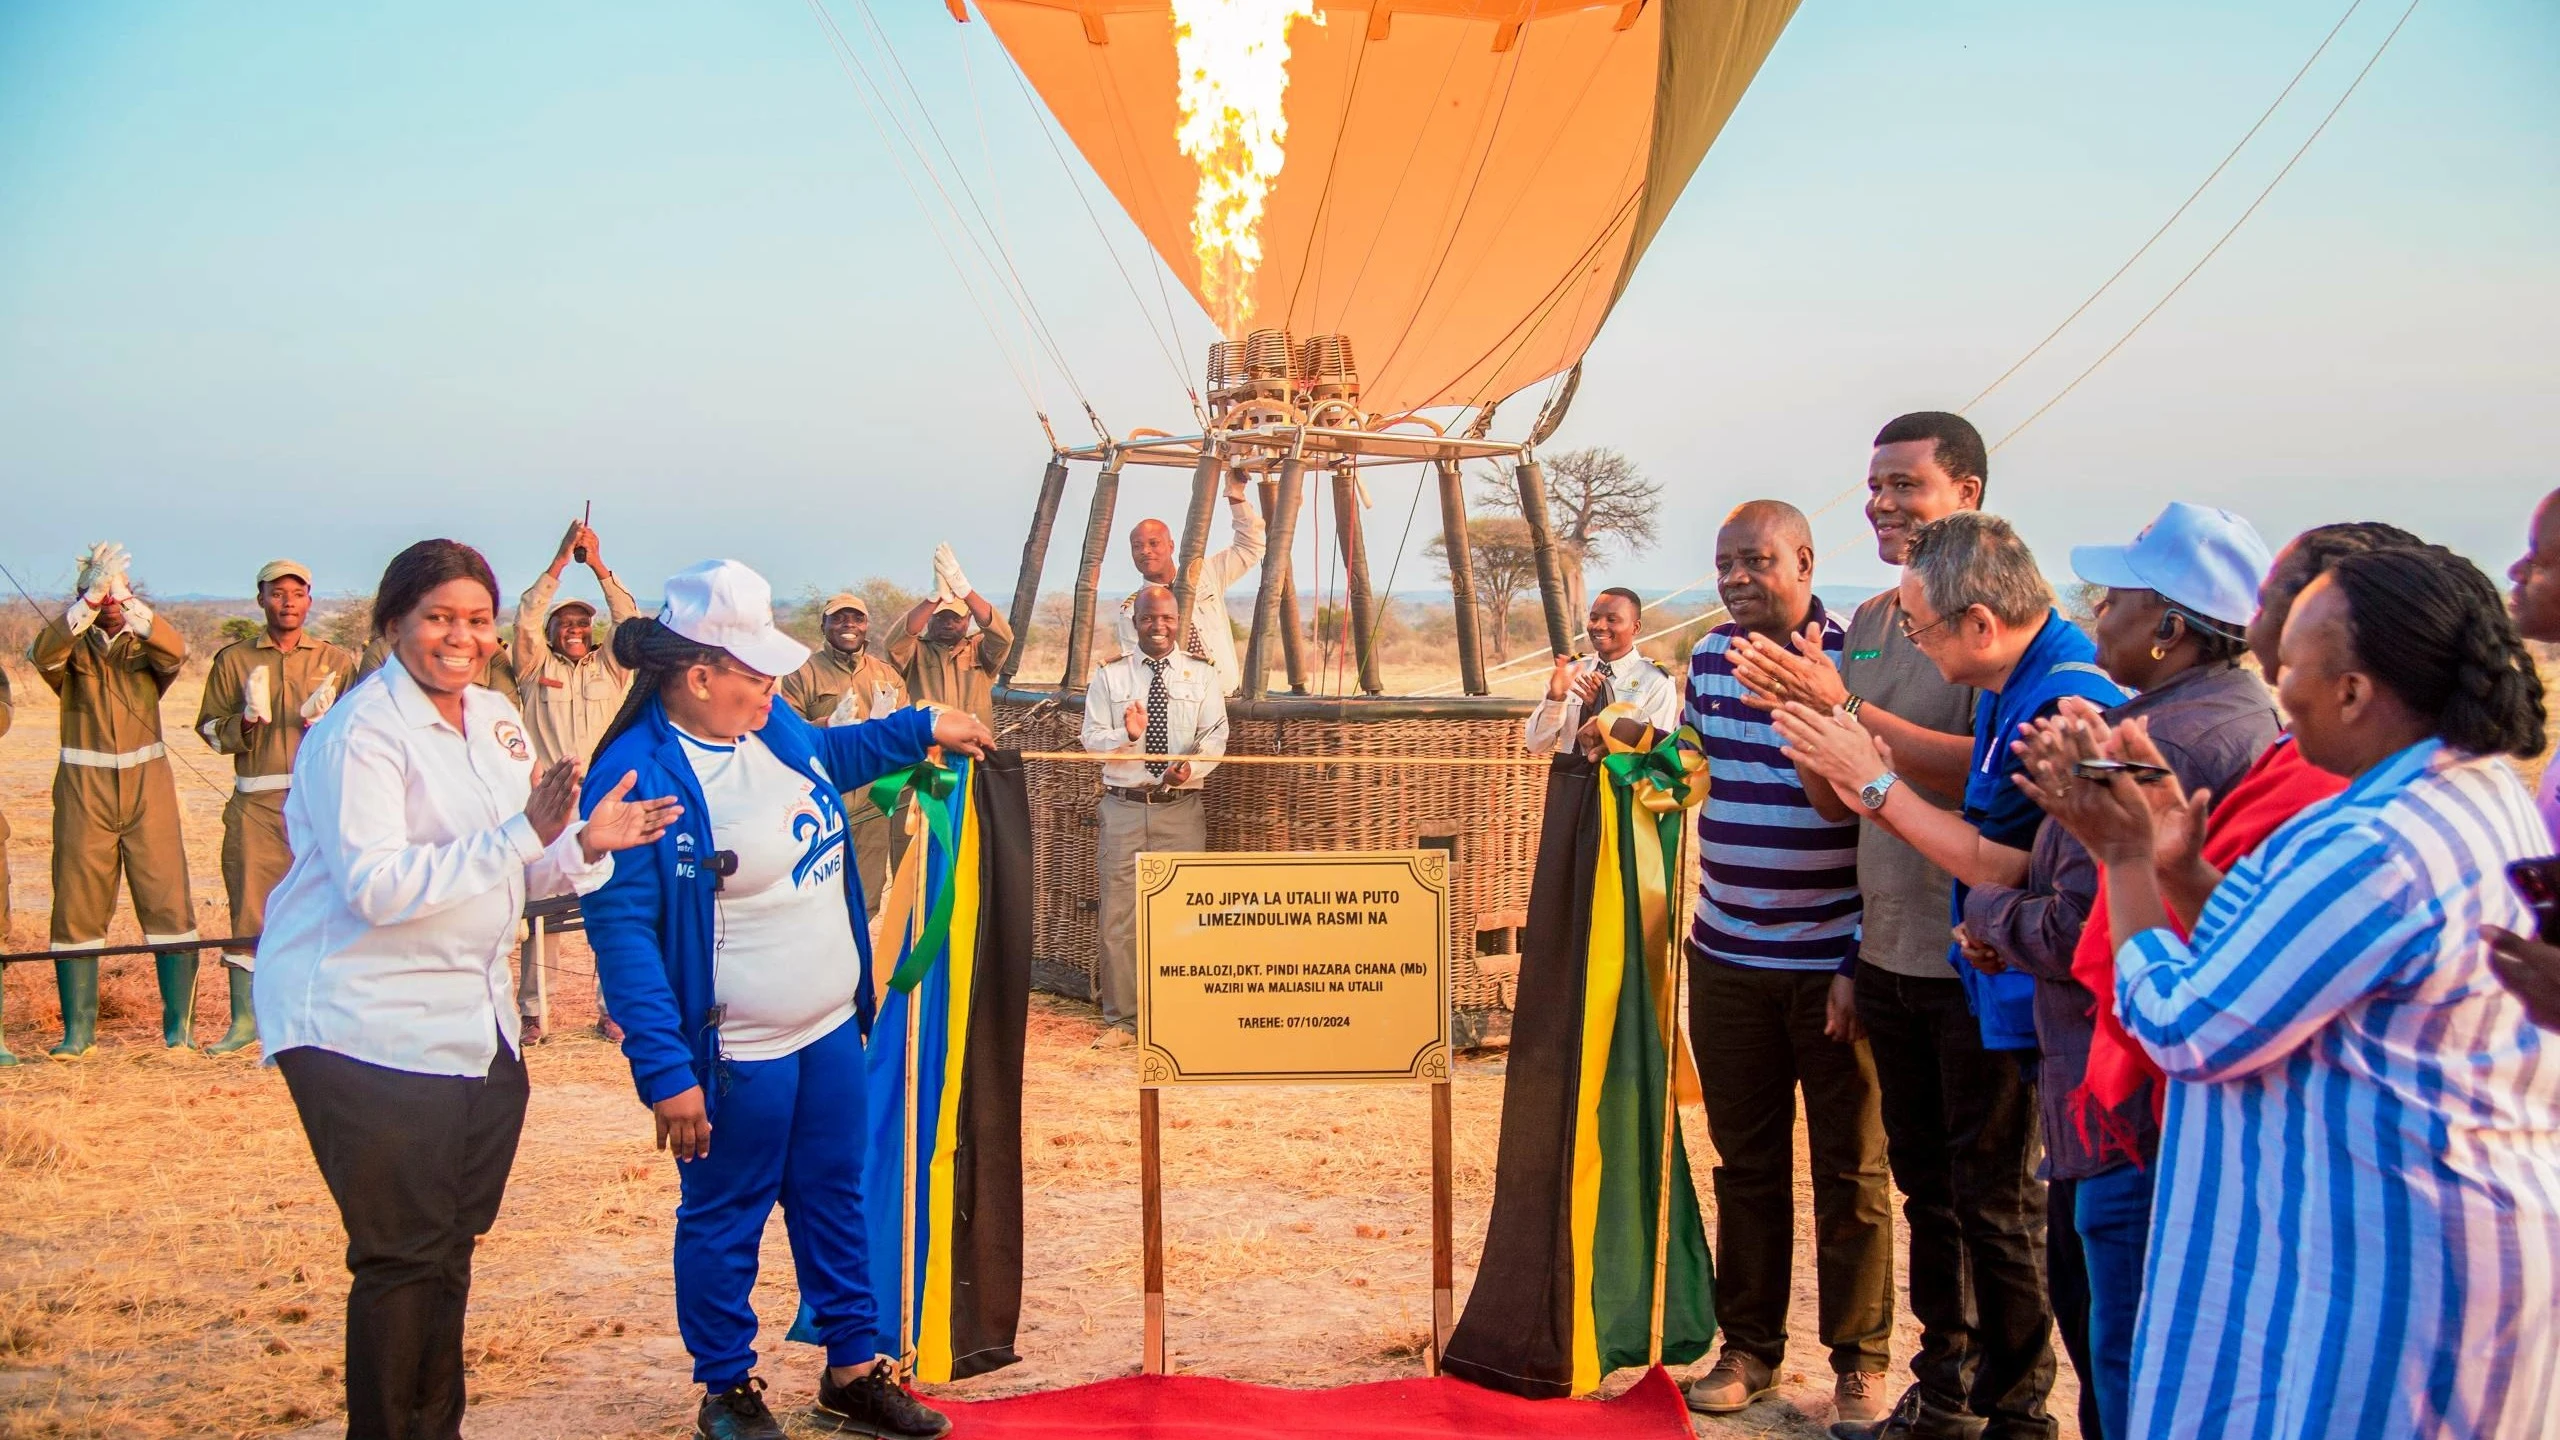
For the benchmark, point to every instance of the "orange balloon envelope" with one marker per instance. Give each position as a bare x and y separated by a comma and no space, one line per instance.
1462,187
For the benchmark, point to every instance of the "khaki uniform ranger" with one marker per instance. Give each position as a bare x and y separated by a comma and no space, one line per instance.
936,653
569,689
841,684
1154,702
259,698
568,698
115,804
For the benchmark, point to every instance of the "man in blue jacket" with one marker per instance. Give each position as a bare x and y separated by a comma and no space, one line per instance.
1975,604
737,956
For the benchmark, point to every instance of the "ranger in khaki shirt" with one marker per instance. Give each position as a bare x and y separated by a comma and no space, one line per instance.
259,698
843,683
939,657
115,804
567,686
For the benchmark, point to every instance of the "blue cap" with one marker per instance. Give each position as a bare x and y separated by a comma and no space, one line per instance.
2196,557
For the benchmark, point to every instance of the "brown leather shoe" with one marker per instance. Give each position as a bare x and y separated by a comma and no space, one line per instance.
1858,1396
530,1031
1733,1384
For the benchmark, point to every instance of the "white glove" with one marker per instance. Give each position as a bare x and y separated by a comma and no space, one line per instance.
946,573
321,699
102,570
258,697
848,710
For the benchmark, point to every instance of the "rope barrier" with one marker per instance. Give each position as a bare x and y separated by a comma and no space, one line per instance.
1087,757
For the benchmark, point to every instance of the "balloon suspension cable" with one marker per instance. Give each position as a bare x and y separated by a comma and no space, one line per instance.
2207,258
2183,206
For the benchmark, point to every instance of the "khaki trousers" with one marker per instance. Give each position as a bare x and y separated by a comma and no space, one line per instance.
255,855
1128,827
118,824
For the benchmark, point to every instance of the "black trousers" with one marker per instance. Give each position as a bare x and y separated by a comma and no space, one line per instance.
1961,1133
1759,1037
417,1164
2067,1278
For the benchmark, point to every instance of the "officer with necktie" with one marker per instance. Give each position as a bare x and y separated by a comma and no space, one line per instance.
1160,702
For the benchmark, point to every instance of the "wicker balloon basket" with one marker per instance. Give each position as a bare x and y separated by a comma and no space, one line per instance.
1487,817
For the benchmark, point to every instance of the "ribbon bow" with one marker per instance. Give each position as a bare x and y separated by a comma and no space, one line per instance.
1666,778
932,783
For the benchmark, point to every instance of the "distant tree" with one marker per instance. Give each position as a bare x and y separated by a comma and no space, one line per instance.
1598,502
1504,564
347,622
239,627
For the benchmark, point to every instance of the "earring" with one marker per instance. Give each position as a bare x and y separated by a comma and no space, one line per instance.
2159,654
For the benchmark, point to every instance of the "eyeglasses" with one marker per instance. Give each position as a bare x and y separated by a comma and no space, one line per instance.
764,683
1914,635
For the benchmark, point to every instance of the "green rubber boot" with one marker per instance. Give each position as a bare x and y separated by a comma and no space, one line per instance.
177,998
76,981
244,1019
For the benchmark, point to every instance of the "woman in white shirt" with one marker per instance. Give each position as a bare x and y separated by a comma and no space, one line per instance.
419,828
736,955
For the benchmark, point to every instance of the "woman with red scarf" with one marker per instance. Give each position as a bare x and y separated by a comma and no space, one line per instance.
2200,836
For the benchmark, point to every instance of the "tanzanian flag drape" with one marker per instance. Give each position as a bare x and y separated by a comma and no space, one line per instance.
1565,1291
970,1002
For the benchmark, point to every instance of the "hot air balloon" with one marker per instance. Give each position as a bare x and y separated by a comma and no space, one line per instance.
1388,208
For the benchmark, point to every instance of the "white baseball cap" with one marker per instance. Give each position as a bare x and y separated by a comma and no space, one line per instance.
723,604
2194,556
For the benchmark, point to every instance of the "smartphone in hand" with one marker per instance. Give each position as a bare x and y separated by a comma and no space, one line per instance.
2538,881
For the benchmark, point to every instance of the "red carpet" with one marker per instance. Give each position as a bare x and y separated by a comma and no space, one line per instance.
1193,1407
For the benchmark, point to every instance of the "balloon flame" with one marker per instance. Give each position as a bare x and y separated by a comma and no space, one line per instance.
1233,62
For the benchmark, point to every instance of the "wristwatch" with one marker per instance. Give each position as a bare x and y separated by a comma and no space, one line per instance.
1873,792
1852,705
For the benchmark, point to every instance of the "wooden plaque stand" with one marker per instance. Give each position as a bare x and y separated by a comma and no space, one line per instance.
1151,1210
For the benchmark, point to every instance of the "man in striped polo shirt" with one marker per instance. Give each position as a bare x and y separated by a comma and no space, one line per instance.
1777,921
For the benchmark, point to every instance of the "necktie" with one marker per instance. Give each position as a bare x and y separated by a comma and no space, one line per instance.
1159,739
1606,695
1192,645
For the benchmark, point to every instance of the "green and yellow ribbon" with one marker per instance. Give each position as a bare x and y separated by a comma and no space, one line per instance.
932,783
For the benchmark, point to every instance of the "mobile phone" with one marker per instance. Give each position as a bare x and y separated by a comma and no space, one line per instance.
2538,881
2143,773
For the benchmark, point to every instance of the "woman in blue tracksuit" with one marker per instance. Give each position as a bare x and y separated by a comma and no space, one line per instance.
735,953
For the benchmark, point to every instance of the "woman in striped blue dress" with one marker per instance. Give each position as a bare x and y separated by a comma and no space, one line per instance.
2358,1229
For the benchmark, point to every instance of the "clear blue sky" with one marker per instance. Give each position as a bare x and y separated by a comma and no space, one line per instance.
319,279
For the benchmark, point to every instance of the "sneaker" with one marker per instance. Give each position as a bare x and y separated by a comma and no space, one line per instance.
1115,1038
1733,1384
737,1414
1914,1417
875,1404
1857,1396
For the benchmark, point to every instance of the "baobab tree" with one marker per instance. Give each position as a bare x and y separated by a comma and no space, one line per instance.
1598,502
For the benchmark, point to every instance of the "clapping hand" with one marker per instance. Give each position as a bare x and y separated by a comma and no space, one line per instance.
554,801
2112,818
1831,744
621,823
1134,720
1560,679
320,701
947,579
1773,675
102,572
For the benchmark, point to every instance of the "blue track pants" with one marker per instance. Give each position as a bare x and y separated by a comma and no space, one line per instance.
788,1130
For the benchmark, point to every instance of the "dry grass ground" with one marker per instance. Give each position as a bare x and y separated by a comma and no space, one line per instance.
170,1264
